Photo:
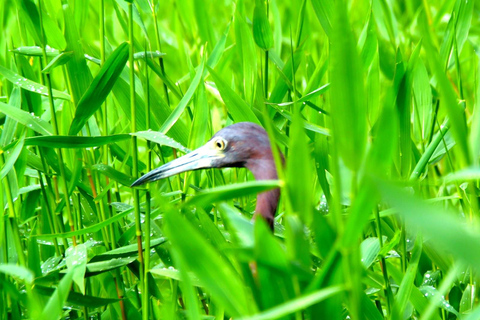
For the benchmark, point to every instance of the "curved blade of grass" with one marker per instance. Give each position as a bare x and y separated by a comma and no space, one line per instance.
185,99
74,141
27,119
126,251
160,138
30,85
99,89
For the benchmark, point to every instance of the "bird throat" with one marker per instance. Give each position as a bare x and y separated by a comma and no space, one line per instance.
267,202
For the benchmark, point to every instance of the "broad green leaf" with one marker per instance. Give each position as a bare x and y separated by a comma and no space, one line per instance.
116,175
76,257
369,248
99,88
30,85
407,284
27,119
262,33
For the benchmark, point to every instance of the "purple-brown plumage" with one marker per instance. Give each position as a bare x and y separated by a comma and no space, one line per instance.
242,144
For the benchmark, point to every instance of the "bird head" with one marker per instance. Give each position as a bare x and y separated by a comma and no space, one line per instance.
243,144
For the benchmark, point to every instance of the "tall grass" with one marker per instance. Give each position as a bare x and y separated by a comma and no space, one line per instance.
375,105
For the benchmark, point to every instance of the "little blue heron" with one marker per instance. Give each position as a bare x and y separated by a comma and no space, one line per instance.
242,144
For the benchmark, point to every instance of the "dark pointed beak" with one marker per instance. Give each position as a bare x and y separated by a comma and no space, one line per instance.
200,158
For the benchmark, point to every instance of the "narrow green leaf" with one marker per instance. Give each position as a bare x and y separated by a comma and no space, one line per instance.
160,138
12,157
74,141
185,100
90,229
59,60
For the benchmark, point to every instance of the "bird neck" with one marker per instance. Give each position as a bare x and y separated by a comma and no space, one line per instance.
267,202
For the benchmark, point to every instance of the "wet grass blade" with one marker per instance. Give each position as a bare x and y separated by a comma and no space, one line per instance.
30,85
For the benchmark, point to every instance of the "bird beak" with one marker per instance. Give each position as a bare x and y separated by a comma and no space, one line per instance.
200,158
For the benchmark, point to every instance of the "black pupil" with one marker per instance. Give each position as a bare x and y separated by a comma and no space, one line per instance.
219,144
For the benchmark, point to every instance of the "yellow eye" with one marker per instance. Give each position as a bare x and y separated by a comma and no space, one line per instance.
220,144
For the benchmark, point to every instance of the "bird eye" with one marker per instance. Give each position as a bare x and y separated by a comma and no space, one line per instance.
220,144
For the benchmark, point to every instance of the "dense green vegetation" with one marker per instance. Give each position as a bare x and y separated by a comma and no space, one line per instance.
375,105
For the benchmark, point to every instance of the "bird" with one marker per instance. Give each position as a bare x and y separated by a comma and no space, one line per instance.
242,144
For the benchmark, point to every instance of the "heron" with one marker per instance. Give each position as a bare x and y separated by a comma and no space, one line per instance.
243,144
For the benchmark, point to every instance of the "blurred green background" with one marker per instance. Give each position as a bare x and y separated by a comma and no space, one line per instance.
375,105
